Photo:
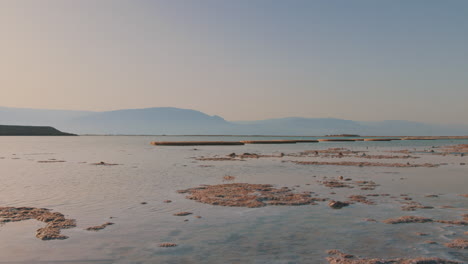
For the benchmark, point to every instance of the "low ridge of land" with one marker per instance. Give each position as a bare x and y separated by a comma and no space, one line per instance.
31,131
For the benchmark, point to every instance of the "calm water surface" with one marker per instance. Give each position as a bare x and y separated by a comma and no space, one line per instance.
274,234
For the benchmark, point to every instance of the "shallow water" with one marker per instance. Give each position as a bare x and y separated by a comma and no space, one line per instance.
273,234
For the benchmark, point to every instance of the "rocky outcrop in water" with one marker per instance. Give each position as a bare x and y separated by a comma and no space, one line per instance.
99,227
337,257
55,220
458,243
248,195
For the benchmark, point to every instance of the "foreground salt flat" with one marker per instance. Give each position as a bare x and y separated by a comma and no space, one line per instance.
273,234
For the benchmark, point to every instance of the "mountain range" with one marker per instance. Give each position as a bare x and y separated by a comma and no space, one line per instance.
176,121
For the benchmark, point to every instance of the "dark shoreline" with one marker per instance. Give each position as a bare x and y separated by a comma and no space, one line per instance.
8,130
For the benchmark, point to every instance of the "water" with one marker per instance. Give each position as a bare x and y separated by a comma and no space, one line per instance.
274,234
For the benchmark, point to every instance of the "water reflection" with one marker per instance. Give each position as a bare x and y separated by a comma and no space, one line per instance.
273,234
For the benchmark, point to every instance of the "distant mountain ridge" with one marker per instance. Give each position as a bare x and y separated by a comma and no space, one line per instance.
162,120
176,121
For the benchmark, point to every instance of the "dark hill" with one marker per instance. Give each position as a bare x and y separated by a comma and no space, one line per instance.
31,131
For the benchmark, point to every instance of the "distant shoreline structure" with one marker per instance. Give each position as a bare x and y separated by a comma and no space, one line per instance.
343,135
243,142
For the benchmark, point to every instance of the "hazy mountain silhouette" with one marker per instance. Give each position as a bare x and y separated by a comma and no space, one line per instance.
176,121
149,121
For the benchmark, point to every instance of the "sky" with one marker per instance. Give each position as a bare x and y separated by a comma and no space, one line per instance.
240,59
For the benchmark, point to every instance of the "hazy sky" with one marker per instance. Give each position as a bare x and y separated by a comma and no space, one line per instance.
240,59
